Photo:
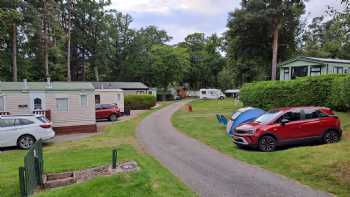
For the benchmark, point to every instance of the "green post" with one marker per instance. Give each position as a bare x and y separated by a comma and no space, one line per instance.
22,181
114,158
38,170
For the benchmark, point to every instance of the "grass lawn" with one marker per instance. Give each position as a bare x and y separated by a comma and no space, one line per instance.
325,167
151,180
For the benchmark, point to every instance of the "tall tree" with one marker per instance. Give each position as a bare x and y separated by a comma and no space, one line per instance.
168,65
69,26
250,43
10,16
280,12
328,36
206,60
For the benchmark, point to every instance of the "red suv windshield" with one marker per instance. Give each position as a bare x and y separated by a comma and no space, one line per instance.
268,117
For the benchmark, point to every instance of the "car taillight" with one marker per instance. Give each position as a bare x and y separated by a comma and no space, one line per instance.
45,126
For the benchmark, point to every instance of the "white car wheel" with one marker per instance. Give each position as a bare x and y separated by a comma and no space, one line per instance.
26,141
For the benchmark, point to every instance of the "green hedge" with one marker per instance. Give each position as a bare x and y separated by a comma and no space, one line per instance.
139,102
327,90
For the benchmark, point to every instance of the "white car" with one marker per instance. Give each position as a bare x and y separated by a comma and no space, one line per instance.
24,130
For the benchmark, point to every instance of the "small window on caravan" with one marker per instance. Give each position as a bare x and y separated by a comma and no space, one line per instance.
2,103
83,100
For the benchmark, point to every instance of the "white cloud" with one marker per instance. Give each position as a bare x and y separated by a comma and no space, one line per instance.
207,7
182,17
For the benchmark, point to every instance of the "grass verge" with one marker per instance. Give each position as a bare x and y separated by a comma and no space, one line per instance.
151,180
325,167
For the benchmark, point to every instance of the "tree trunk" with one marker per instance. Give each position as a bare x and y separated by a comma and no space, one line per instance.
97,77
69,77
275,49
14,52
164,94
46,52
46,40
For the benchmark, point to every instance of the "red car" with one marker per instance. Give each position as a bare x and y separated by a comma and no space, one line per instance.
107,111
289,125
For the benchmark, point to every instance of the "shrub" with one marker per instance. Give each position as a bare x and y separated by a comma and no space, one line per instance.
326,90
139,102
339,98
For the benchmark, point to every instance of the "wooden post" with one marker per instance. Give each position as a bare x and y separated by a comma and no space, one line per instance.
22,181
114,158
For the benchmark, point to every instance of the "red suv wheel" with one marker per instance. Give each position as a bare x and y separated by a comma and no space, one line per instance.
331,136
267,143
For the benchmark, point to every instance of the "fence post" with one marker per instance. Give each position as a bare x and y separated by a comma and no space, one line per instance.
38,170
22,181
40,163
114,158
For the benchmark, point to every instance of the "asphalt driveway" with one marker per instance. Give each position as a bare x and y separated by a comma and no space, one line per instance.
207,171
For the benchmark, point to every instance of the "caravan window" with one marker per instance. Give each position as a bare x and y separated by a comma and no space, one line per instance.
37,104
83,101
286,73
62,104
97,99
2,103
338,70
204,92
118,97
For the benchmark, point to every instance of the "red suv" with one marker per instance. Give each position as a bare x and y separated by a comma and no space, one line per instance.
107,111
289,125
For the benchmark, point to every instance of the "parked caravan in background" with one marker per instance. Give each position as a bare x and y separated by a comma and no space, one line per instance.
110,96
232,93
211,94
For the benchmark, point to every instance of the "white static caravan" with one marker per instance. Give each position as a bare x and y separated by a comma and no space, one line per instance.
69,105
110,96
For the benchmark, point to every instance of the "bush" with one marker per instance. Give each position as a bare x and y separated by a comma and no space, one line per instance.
139,102
326,90
339,98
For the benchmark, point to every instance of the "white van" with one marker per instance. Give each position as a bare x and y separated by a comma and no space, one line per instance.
211,94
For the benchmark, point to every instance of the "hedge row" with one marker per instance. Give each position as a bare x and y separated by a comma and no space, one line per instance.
327,90
139,102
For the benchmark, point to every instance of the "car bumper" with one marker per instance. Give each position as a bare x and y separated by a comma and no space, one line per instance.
244,141
48,138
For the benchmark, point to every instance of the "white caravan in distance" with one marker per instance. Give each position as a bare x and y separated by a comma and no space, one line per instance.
211,94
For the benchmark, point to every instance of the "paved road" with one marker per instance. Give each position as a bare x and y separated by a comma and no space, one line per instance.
208,172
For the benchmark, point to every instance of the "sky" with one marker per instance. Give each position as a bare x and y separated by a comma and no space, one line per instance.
182,17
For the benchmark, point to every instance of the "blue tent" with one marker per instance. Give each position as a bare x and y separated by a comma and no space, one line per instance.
243,115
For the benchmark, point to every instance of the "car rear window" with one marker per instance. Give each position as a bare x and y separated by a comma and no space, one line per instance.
42,119
106,106
7,122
